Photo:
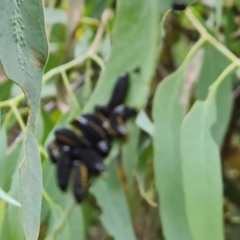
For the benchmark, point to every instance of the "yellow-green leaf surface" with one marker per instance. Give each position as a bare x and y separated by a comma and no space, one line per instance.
167,118
23,52
201,162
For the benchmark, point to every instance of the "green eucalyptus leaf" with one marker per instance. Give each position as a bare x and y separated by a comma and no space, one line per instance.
145,123
201,162
23,53
167,116
4,196
201,173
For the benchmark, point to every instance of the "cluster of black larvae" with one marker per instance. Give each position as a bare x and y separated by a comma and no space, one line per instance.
78,154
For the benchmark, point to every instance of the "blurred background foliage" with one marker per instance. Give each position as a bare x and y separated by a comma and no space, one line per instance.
193,50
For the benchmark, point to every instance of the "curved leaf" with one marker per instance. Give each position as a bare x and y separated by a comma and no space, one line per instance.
145,123
202,173
201,161
23,52
4,196
167,115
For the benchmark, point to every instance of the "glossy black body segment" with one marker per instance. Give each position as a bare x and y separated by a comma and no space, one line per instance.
118,95
68,137
90,129
91,159
94,133
120,91
99,120
64,168
80,180
118,117
179,5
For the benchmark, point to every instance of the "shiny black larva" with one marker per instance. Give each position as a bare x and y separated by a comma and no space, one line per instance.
80,151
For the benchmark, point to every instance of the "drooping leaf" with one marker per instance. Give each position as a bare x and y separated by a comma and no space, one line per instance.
23,52
167,116
201,173
201,162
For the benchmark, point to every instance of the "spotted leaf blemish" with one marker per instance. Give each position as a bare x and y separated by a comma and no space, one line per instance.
19,34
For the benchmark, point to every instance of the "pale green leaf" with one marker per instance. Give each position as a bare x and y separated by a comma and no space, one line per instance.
202,173
4,196
167,117
54,16
201,161
144,123
23,52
